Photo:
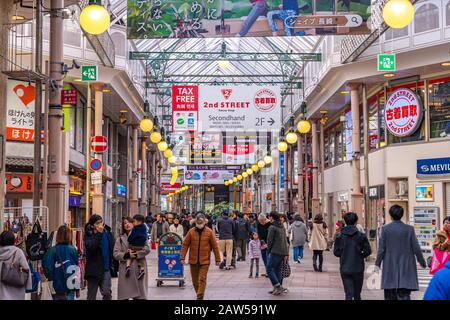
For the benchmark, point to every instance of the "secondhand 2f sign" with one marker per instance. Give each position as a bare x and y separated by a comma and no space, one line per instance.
227,108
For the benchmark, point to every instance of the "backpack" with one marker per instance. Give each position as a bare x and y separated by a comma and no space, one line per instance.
36,243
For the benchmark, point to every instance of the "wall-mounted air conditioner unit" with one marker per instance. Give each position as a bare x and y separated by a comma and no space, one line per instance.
401,188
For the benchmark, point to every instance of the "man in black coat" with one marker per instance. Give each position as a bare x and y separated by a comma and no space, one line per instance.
352,247
99,243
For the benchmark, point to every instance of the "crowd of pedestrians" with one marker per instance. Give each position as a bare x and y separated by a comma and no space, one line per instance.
234,238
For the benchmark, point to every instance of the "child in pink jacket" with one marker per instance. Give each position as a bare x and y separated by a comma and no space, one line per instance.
254,252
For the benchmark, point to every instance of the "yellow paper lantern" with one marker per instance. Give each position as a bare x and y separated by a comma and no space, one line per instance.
235,180
255,168
146,125
167,153
304,126
226,183
94,19
291,138
244,174
398,13
162,146
239,177
282,146
249,171
268,159
172,159
155,137
230,181
261,164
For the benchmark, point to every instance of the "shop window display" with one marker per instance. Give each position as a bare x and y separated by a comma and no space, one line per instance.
439,106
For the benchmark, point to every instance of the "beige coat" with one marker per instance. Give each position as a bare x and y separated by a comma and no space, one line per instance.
318,239
130,288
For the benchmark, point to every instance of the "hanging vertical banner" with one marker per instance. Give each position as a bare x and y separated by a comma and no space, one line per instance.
281,170
20,101
348,136
184,108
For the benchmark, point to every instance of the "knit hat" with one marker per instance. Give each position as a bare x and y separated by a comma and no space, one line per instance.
94,218
225,213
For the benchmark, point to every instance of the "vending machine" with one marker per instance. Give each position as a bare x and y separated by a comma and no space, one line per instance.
426,225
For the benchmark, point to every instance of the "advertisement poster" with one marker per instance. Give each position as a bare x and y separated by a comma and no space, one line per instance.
424,193
239,108
169,264
20,111
239,153
209,174
220,18
403,113
206,148
240,147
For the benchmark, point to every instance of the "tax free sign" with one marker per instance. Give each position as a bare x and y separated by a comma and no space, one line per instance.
226,108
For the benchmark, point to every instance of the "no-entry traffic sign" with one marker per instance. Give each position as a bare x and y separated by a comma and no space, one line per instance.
96,165
99,144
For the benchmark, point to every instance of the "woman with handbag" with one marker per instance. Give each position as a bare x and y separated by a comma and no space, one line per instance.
130,287
15,275
318,241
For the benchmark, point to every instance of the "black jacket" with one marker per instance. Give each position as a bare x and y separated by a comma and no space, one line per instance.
94,256
242,229
226,228
352,247
138,236
262,230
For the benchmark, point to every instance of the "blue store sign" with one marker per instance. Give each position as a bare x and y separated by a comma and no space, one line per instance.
282,170
121,190
433,167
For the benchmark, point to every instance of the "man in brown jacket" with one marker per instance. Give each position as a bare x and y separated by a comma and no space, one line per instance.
200,241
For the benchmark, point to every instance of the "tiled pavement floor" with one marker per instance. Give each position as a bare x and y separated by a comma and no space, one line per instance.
303,284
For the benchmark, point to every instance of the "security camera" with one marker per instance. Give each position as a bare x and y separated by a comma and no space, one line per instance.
54,85
76,64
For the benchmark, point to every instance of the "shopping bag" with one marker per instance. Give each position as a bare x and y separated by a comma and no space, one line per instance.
285,269
440,258
35,280
153,245
36,243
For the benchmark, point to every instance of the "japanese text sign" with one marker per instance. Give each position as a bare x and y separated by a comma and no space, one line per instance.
403,113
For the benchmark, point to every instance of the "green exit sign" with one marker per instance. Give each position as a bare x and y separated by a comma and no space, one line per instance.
89,73
386,62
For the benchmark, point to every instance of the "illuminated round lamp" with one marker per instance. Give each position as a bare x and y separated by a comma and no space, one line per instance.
303,126
261,164
291,138
94,18
235,180
230,181
226,183
155,137
146,125
239,177
282,146
167,153
177,191
255,168
162,146
223,64
172,159
186,187
268,159
397,14
249,171
244,175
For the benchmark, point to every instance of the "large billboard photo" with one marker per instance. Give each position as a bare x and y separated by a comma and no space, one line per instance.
149,19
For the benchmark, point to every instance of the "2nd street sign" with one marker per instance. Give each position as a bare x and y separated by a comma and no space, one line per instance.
89,73
348,21
386,62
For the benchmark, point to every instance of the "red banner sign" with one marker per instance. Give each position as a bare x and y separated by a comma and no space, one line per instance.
238,149
403,113
69,97
184,108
